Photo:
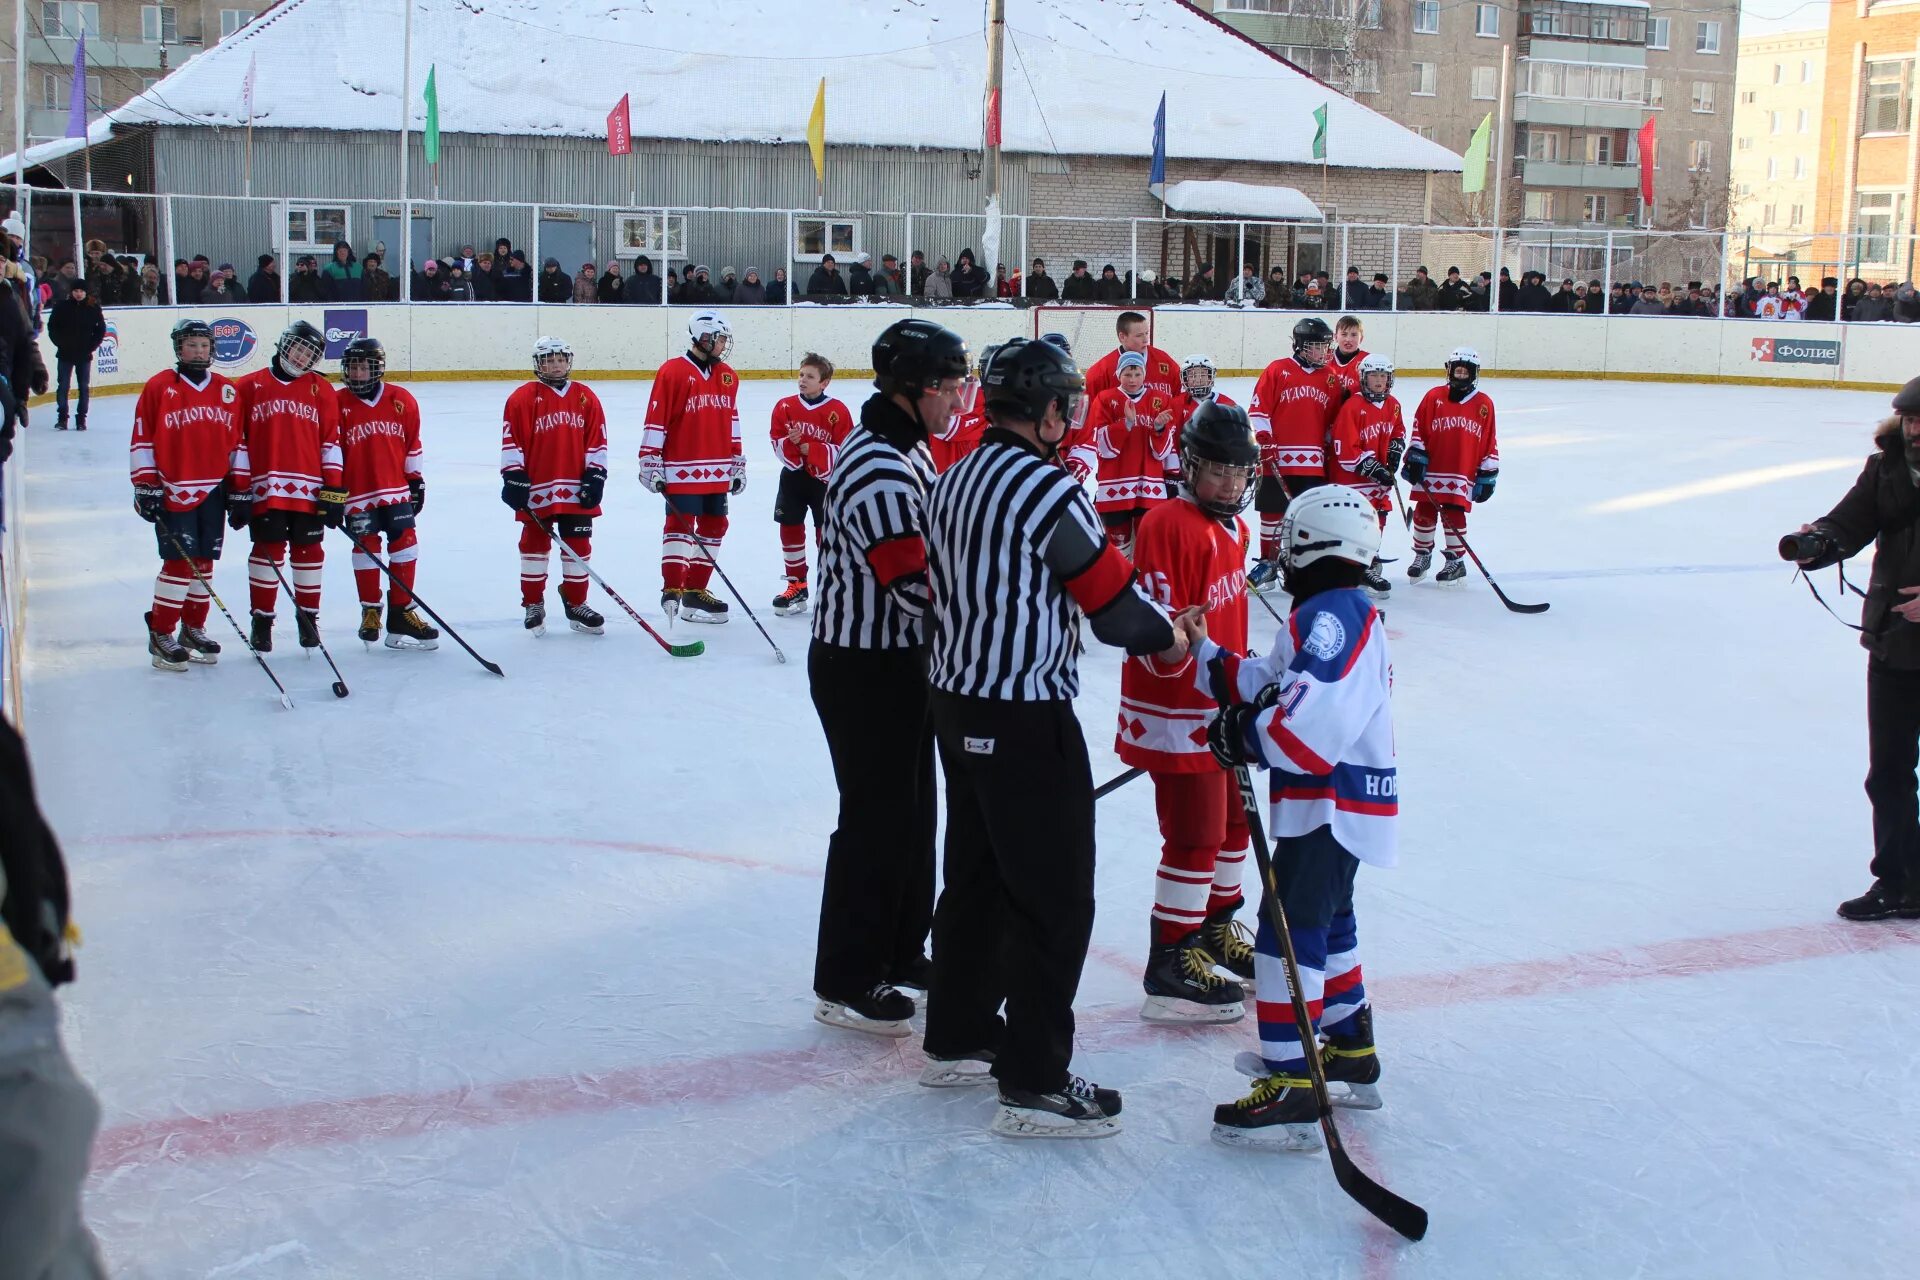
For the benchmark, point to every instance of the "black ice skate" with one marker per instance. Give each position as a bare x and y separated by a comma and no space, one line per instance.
584,619
1183,988
1279,1115
793,599
916,974
201,647
168,654
535,619
1230,944
406,629
882,1011
262,637
1079,1110
702,605
1349,1059
1454,570
307,623
1422,561
369,631
958,1073
1376,582
1886,900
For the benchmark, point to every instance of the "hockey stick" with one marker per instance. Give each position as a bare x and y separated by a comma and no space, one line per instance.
1261,597
1112,785
383,567
735,592
1505,599
1399,500
339,684
691,650
1404,1216
286,699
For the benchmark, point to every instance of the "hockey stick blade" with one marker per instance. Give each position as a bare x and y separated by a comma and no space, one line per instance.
1112,785
692,649
1403,1215
1505,599
286,699
385,568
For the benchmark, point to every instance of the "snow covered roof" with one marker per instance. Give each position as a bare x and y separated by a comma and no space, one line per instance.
98,132
1083,77
1242,199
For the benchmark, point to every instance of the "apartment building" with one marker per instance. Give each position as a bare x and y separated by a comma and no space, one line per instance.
1779,96
1868,180
130,46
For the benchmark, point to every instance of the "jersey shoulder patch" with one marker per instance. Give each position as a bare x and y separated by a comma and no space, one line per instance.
1330,629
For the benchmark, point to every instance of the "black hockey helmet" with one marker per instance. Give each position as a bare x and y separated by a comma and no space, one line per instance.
1027,375
1058,340
1219,435
371,350
1307,332
1906,401
300,336
913,354
191,328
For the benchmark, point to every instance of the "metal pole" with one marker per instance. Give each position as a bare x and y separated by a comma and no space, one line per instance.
406,145
1240,261
791,292
1493,285
166,249
79,234
1346,260
535,266
666,248
1607,283
1133,256
20,108
907,260
1720,293
1393,278
1502,130
283,241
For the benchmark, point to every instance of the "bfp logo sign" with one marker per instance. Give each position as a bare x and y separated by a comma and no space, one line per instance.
233,341
342,328
1794,351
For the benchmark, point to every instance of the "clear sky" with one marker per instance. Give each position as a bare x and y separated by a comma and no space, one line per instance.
1764,17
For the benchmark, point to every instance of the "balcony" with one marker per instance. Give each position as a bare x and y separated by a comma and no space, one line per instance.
1580,114
105,54
1593,177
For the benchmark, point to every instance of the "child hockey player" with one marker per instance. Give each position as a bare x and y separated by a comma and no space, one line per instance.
1196,389
380,440
1129,429
1317,712
1369,436
1135,335
807,431
961,435
1452,463
1348,334
691,455
1293,406
553,473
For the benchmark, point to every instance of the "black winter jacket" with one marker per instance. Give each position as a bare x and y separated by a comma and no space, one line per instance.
1882,508
77,329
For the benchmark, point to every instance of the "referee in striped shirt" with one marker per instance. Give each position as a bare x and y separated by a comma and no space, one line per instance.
1016,555
868,670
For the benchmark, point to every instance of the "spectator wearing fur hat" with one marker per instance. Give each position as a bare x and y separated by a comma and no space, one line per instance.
586,285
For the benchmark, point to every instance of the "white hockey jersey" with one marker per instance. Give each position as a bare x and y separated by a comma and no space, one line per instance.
1329,738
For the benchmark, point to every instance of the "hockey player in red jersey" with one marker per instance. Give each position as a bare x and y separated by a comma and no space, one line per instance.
1348,334
807,430
1369,435
380,444
691,454
188,464
292,440
1452,463
1196,388
1131,429
961,435
553,473
1293,407
1135,335
1192,553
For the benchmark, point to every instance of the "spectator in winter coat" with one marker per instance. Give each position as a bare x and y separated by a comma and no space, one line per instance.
1532,293
675,291
1039,284
345,281
860,277
1856,290
77,329
459,287
969,279
1202,288
1649,304
306,285
890,281
1247,288
1275,292
183,286
153,290
1422,293
465,260
751,292
512,277
380,280
264,284
826,280
940,282
1354,294
1871,309
696,289
586,285
1820,300
1080,286
780,289
481,278
221,291
429,285
612,286
917,273
1455,294
1906,303
1004,285
643,286
555,284
1108,287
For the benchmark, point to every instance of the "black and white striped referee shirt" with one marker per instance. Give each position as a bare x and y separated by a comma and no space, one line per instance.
1015,555
871,589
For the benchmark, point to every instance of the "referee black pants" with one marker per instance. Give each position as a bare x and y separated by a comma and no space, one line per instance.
877,904
1016,911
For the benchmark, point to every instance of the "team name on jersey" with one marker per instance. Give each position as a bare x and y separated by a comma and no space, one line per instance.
1296,391
815,431
558,419
707,400
363,431
197,413
1475,427
278,405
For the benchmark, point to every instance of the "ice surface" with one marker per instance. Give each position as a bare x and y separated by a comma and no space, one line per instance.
466,977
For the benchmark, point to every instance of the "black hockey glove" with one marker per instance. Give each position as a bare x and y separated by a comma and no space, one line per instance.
333,507
417,493
515,488
1483,485
1415,467
239,511
150,502
1394,452
1371,470
1227,735
593,486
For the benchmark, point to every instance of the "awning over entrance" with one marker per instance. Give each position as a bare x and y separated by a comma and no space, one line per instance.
1241,200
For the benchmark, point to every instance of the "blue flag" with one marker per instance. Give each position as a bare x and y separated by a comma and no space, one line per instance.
77,99
1157,178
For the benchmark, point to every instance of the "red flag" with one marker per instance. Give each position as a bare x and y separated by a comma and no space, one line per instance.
993,118
1647,151
619,129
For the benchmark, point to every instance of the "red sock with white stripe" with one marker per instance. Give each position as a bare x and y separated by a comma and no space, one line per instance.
793,549
170,594
365,577
198,601
307,560
1270,537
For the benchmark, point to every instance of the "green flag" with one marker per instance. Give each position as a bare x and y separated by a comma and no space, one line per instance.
432,145
1473,173
1320,131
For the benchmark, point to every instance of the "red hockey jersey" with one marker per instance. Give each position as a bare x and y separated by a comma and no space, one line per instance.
693,425
1163,373
822,427
189,438
961,437
1364,429
1347,369
554,436
1185,407
292,439
380,439
1291,411
1459,440
1133,460
1185,557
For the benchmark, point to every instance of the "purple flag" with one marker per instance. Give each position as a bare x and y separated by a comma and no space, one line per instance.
77,100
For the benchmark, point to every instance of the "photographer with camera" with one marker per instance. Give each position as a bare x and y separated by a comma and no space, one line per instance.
1883,508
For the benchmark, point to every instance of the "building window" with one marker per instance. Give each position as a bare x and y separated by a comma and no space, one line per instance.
655,234
1423,79
1748,98
1796,215
1773,167
1426,17
1888,96
316,226
1657,30
1700,155
69,20
231,20
1543,145
1800,167
1877,216
1656,92
1485,82
1370,15
1595,209
1806,73
1599,148
1802,121
1537,206
1364,75
147,82
1585,81
1773,122
1486,20
1744,190
1779,70
160,24
1768,213
56,89
1744,144
1703,97
1425,131
814,238
1706,37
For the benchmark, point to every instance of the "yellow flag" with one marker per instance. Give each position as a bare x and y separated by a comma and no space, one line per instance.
817,132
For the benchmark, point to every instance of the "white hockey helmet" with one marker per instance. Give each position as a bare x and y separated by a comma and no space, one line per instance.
1376,363
1330,520
545,349
1466,356
1197,362
709,332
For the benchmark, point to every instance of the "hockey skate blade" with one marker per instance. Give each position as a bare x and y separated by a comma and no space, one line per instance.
161,664
1275,1137
408,642
834,1014
702,616
199,659
584,629
1024,1122
961,1073
1170,1011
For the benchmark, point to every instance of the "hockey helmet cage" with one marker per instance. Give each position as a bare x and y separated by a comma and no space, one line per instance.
1219,435
300,336
1330,521
371,350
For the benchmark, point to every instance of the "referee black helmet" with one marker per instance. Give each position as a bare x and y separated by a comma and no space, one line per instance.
1026,376
912,355
1219,435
